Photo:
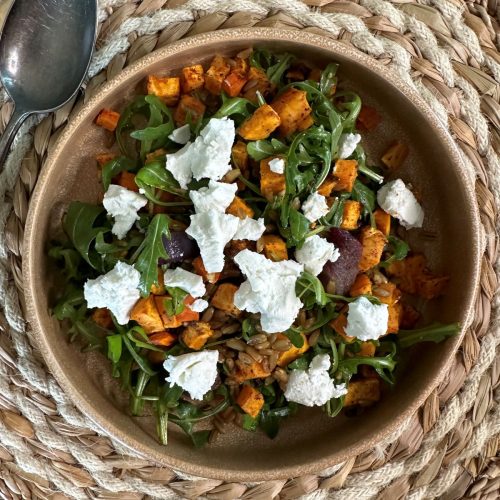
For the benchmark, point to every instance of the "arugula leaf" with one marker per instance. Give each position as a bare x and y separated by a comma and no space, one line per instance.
310,291
72,305
113,168
70,259
301,363
79,225
248,328
399,250
299,227
328,79
175,303
282,63
160,132
259,150
143,363
295,337
250,423
139,106
152,249
351,103
437,332
153,176
114,347
234,106
365,196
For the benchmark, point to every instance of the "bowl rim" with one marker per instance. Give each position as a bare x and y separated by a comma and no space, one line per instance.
259,35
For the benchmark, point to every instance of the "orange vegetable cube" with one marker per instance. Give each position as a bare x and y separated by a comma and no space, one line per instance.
250,400
274,247
292,108
367,349
126,180
102,317
189,107
271,183
339,324
215,75
108,119
304,124
361,286
394,157
163,339
257,82
327,186
362,392
104,158
373,242
261,124
192,78
395,315
345,171
382,221
430,286
223,299
239,208
145,312
250,372
368,118
293,353
196,334
409,317
175,321
234,82
387,293
168,89
351,215
239,155
199,268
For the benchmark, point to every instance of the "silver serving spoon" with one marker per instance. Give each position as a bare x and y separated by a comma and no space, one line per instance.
45,51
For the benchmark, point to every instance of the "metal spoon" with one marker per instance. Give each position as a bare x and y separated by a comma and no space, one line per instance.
45,52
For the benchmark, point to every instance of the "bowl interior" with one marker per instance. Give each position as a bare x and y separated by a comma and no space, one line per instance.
310,441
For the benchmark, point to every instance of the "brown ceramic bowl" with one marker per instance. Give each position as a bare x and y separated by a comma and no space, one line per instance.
310,441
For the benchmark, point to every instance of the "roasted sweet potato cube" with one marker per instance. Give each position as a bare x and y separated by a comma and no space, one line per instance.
395,315
102,317
192,78
387,293
362,392
196,334
351,215
126,180
409,317
168,89
250,372
293,353
189,107
257,82
327,186
394,157
263,122
367,349
104,158
361,286
408,272
108,119
155,155
373,242
339,324
271,183
163,339
223,299
234,82
145,312
250,400
175,321
239,208
159,289
430,286
382,221
239,155
274,247
292,108
368,118
304,124
199,268
215,75
345,171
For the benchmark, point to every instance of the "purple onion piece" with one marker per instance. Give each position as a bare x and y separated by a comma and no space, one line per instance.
179,247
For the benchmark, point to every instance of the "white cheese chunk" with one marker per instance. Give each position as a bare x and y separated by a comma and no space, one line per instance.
397,200
347,145
116,290
268,290
315,207
366,321
185,280
194,372
217,196
313,387
122,205
250,229
315,253
277,165
179,165
199,305
212,230
181,135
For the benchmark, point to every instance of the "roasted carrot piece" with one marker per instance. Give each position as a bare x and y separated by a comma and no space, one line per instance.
163,339
145,312
368,118
126,180
108,119
304,124
175,321
234,82
154,155
250,400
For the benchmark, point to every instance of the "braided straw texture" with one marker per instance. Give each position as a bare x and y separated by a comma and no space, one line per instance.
448,51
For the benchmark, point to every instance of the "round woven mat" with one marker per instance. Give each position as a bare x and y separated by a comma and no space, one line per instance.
446,49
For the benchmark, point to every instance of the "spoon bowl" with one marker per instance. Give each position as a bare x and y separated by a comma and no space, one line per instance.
45,51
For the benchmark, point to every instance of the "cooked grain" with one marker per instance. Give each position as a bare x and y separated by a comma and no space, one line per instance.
282,345
208,314
254,353
301,318
245,358
231,328
273,360
213,436
236,344
257,339
262,346
280,375
229,364
313,338
266,352
232,175
273,337
265,365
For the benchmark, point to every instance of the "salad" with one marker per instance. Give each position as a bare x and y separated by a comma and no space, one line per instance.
246,259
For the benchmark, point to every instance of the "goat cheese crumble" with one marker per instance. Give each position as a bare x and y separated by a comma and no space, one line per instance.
195,372
347,145
250,229
366,321
212,230
268,290
181,135
122,204
185,280
199,305
277,165
217,196
208,156
117,290
315,253
313,387
397,200
315,207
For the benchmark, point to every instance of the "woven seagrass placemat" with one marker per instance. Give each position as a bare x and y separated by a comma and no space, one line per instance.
446,49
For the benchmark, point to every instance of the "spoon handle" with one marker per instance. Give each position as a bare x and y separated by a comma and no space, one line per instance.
16,120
